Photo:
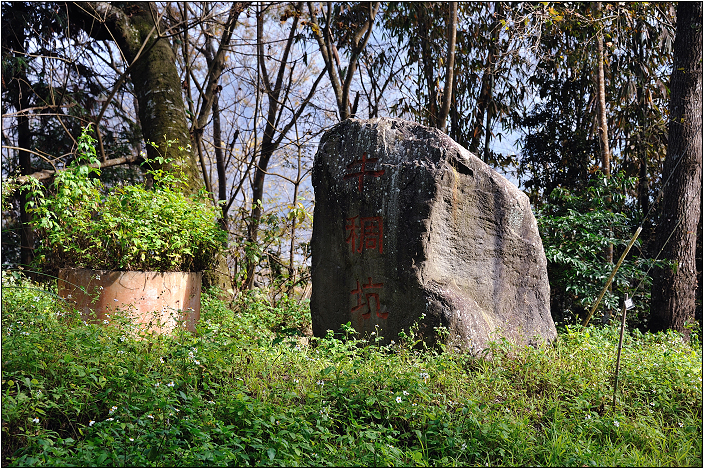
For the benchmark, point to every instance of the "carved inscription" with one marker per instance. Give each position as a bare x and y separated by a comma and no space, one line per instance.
365,233
364,296
363,171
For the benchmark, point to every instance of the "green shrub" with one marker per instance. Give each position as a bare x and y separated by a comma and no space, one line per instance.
576,230
129,227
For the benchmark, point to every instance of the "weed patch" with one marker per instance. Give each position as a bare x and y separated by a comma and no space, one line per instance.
245,391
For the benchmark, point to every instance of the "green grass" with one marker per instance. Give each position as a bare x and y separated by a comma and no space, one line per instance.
245,390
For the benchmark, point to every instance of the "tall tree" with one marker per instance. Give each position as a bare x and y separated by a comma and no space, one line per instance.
673,291
138,30
278,92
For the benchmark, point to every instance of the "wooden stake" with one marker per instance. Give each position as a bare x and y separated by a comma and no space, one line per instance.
620,346
613,274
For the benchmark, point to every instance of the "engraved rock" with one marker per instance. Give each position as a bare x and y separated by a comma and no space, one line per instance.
409,227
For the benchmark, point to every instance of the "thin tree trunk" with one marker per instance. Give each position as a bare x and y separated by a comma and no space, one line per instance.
674,289
24,140
602,122
450,67
428,66
272,136
486,91
601,100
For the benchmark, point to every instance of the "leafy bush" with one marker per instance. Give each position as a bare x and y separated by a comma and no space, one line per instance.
130,227
86,395
576,230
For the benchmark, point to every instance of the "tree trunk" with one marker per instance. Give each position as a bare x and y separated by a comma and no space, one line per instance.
152,66
340,81
428,65
137,30
273,134
486,91
450,67
674,289
24,140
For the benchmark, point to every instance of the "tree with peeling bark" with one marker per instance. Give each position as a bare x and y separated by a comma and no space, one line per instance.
674,289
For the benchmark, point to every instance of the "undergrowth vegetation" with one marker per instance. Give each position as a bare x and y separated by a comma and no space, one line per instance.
247,389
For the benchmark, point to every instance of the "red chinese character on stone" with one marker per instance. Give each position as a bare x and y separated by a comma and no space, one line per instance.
363,171
368,234
363,298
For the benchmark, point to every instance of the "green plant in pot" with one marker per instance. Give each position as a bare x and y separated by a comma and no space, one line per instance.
131,236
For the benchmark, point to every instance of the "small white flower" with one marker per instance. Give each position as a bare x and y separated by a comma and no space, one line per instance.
398,399
405,393
150,416
320,382
105,321
131,439
171,384
295,380
414,404
69,296
161,359
91,423
35,420
680,424
156,385
115,299
196,362
616,423
464,446
97,277
109,419
113,409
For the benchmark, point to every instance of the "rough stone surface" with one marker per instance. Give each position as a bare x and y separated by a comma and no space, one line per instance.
409,227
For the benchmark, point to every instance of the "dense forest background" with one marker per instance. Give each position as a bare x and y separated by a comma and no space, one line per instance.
572,101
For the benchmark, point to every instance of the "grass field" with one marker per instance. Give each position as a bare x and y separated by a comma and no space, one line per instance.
246,390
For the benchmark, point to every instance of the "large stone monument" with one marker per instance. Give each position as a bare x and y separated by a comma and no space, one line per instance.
410,227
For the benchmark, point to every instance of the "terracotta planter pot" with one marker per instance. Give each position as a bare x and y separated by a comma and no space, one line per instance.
156,301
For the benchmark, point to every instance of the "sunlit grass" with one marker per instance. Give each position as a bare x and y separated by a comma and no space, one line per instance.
246,390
